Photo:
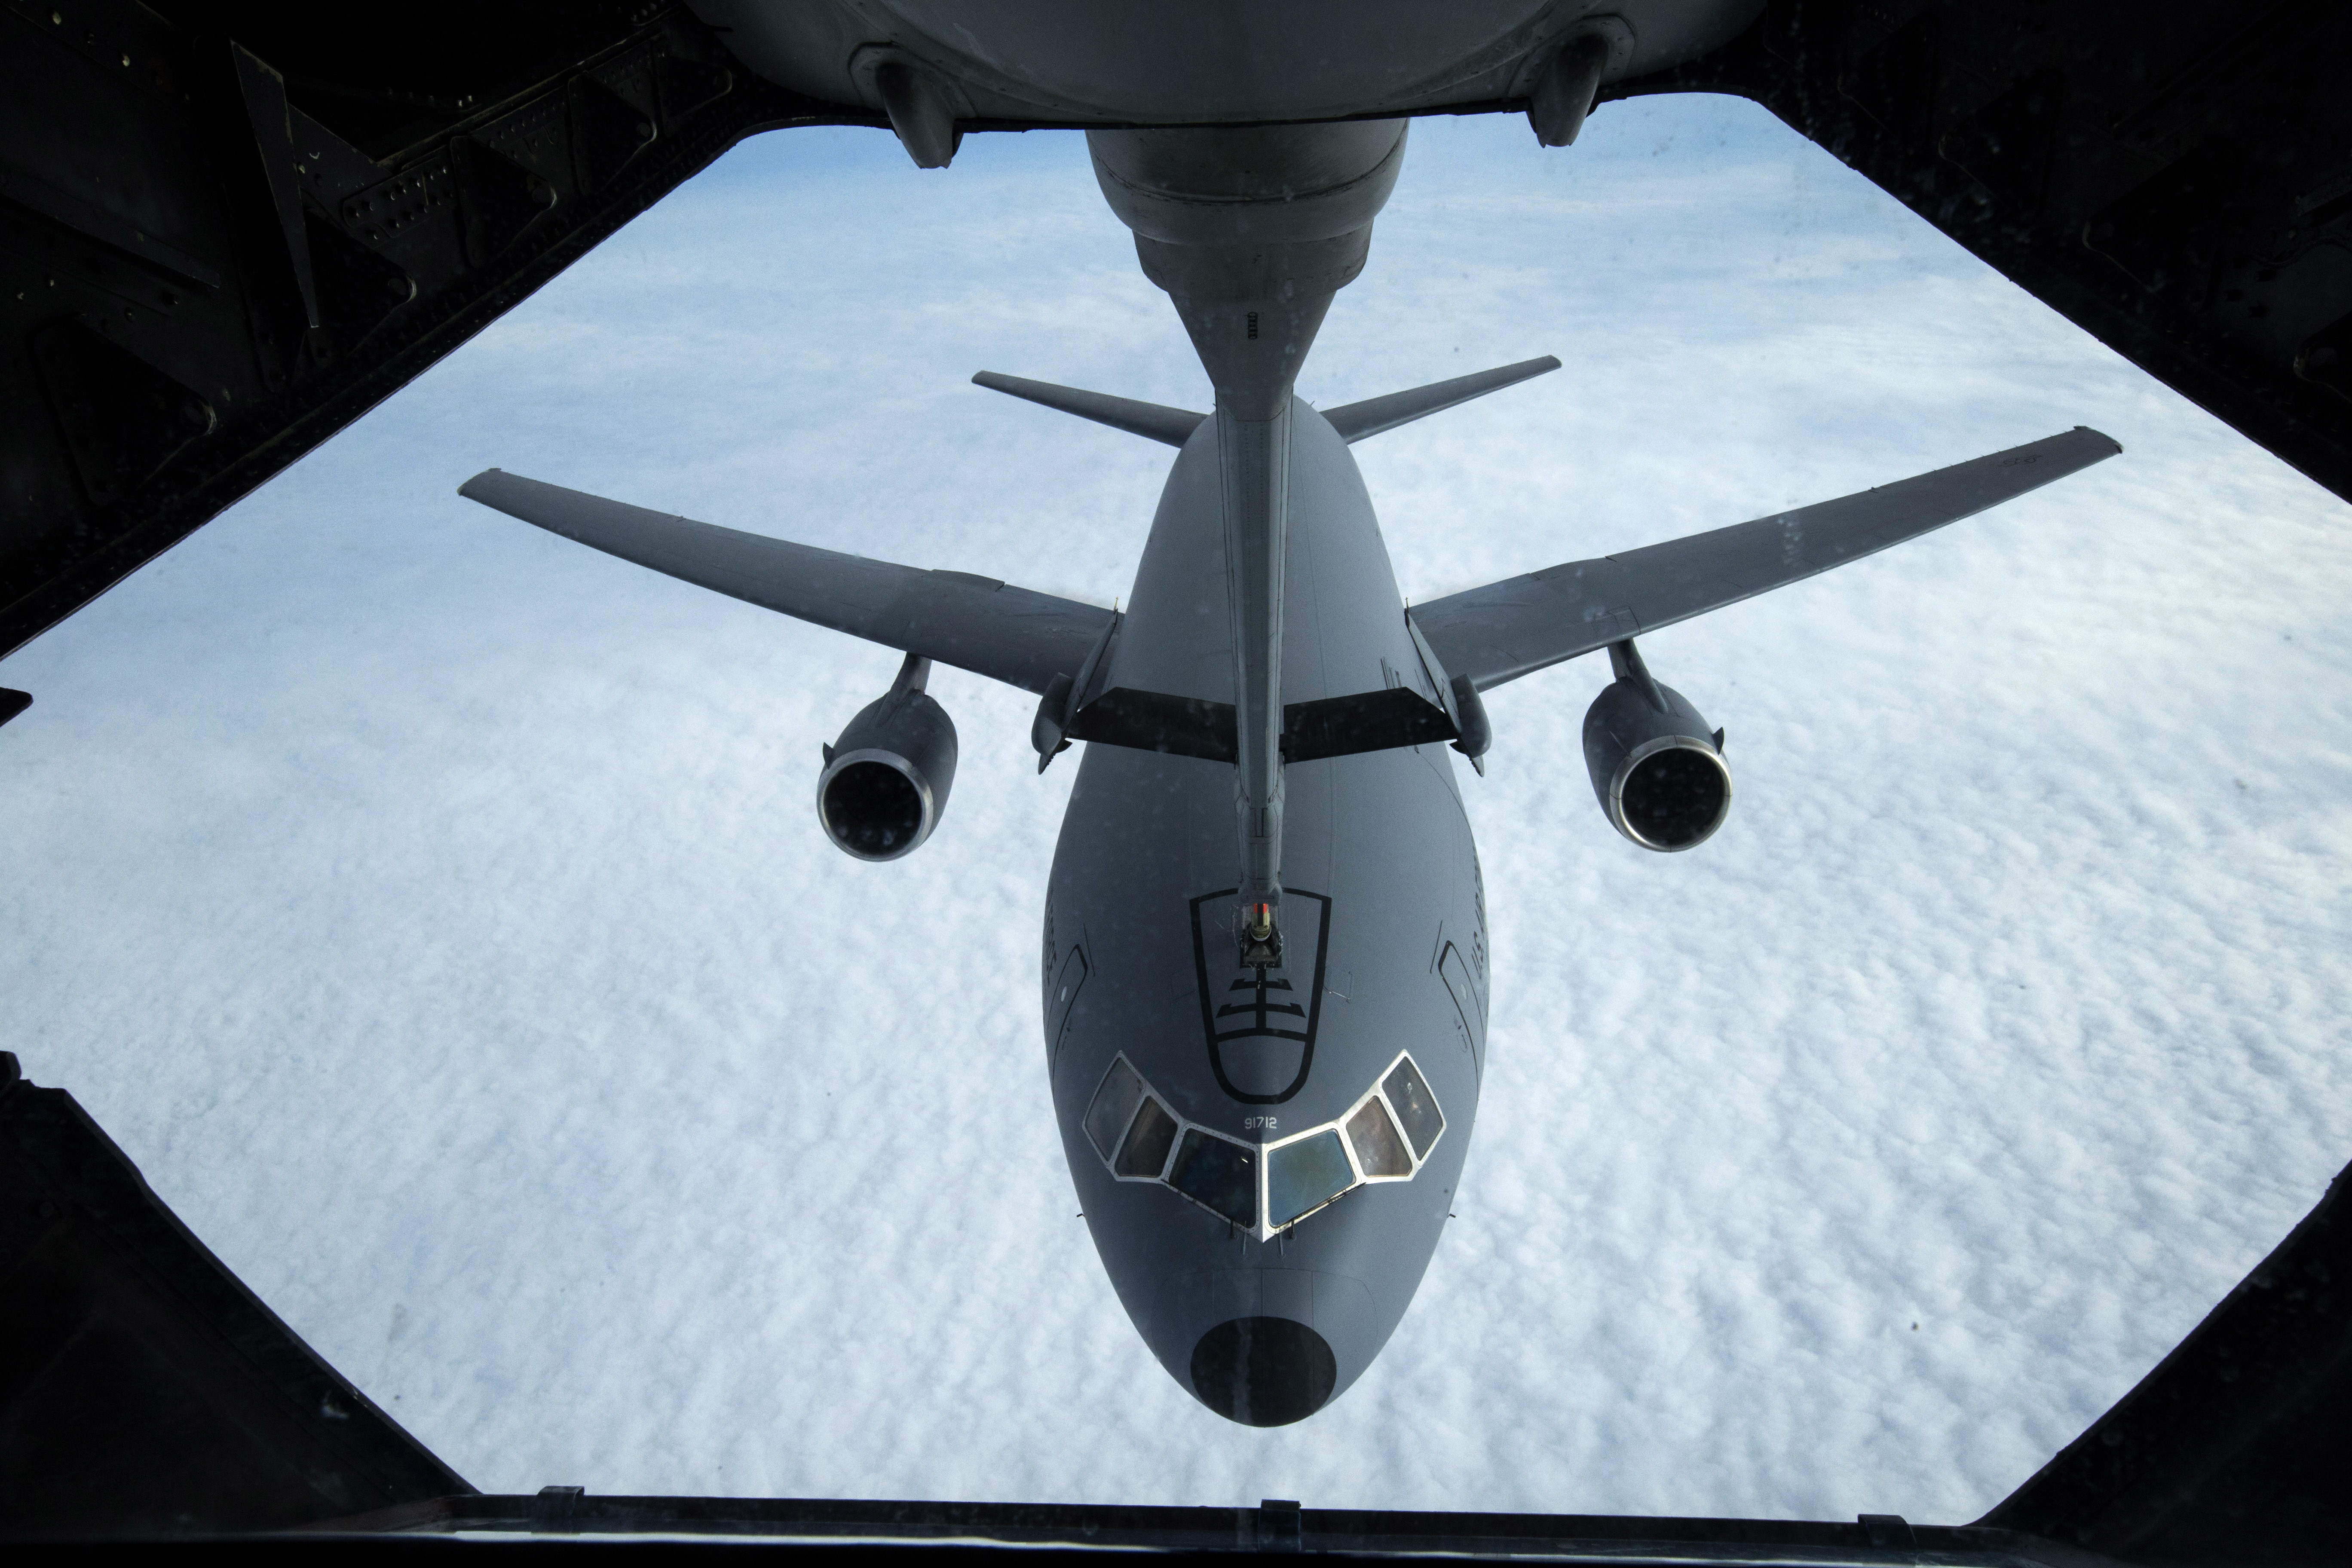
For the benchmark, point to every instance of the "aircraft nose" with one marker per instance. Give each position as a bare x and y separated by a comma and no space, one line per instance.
1263,1372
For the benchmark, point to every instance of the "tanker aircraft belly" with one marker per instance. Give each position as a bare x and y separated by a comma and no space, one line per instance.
1264,965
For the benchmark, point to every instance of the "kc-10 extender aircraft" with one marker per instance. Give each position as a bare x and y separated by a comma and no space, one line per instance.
1269,804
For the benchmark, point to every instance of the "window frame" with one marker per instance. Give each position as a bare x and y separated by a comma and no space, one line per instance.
1263,1152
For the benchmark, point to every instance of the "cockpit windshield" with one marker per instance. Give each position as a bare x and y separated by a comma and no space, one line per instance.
1379,1150
1303,1176
1415,1106
1145,1152
1219,1174
1113,1108
1265,1188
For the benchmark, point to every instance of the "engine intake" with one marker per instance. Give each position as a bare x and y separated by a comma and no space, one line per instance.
1658,771
886,780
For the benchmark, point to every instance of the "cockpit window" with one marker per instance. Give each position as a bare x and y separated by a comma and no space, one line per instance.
1385,1136
1145,1152
1217,1174
1414,1105
1114,1107
1379,1150
1301,1177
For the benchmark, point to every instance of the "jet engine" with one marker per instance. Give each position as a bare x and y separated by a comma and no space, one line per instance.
886,780
1659,772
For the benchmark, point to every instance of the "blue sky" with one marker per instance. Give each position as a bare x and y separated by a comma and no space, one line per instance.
432,909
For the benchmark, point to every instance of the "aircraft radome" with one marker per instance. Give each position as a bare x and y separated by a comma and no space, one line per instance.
1268,800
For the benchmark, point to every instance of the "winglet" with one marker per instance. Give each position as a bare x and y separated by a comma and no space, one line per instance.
1355,421
1157,421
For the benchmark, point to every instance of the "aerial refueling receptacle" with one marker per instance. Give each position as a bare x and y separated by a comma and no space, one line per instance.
1659,773
886,780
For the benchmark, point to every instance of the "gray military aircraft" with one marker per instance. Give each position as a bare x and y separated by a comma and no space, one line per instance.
1265,958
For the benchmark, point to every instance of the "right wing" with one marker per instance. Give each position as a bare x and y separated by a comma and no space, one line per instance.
1521,625
978,623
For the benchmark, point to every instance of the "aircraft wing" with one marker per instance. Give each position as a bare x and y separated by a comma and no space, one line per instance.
1517,627
974,623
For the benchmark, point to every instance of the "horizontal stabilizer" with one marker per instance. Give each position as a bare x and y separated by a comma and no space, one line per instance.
1157,421
973,623
1354,421
1517,627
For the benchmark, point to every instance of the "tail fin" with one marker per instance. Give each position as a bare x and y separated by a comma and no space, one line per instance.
1157,421
1355,421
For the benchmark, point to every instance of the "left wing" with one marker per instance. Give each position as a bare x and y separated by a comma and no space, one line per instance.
978,623
1518,625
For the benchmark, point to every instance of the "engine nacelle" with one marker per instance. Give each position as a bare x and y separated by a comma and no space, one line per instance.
1659,772
886,780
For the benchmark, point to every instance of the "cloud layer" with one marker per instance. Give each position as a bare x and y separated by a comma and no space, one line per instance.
433,908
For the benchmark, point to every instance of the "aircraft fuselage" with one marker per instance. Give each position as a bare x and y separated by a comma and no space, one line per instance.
1266,1312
